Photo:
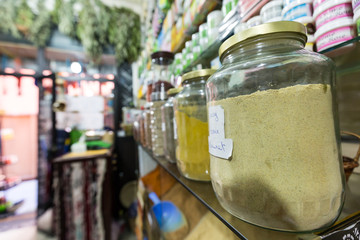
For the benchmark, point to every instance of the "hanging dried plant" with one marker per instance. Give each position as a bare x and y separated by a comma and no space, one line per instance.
124,34
66,23
40,31
24,18
7,16
92,28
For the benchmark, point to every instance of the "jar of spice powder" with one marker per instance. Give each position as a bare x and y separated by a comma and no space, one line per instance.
273,130
192,156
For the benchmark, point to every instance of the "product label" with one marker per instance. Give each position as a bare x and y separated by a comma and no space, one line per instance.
334,37
351,232
355,4
339,11
218,145
163,127
216,122
299,11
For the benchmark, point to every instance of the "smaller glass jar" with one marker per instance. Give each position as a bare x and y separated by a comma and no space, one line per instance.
192,151
161,65
167,117
147,125
142,127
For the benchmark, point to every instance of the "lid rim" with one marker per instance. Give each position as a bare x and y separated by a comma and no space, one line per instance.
261,30
162,54
173,91
197,74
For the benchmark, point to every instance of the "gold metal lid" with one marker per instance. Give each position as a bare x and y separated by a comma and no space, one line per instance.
197,73
173,91
263,29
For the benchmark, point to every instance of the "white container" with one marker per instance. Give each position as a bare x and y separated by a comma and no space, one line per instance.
288,2
203,30
297,9
189,59
213,34
331,10
178,58
305,20
275,19
183,54
188,46
227,6
271,10
334,33
356,5
240,27
254,21
203,44
195,39
357,21
196,51
214,19
317,3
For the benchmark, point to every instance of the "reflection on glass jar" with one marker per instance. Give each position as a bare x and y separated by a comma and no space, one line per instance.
275,157
192,127
167,117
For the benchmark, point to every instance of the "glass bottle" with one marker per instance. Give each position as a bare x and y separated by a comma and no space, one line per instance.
161,63
273,130
192,151
167,117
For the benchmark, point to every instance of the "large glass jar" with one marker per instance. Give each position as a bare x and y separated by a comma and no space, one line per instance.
273,130
192,151
161,62
167,117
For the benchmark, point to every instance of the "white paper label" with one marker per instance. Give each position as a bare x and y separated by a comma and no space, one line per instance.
163,126
216,122
219,146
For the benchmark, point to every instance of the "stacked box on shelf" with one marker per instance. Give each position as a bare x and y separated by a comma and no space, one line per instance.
194,14
164,38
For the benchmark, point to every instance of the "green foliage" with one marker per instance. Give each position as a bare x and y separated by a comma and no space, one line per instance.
124,34
56,12
92,28
96,26
7,16
24,17
66,23
40,30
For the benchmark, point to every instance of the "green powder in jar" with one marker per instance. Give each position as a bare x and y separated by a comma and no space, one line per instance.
285,171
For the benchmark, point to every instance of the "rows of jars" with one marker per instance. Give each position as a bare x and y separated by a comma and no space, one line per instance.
263,128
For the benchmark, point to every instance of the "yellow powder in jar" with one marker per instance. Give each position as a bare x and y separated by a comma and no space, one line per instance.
285,171
192,152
